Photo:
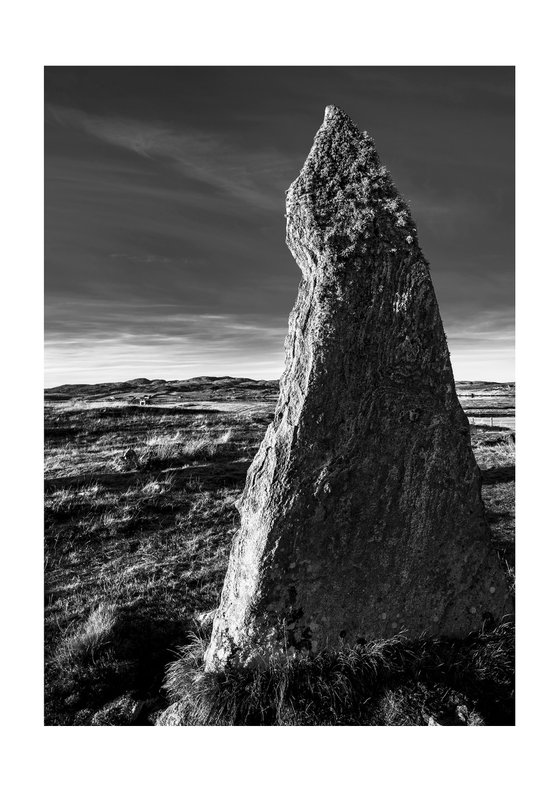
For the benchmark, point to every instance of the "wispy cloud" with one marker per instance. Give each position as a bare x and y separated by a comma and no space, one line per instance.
164,229
257,177
174,346
482,346
496,327
162,341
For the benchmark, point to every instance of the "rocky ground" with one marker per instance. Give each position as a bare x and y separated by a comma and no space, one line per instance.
141,480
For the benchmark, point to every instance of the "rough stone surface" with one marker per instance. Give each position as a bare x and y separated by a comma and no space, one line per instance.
362,514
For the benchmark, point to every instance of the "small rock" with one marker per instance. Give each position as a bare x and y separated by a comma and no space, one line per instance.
456,716
130,456
83,717
205,618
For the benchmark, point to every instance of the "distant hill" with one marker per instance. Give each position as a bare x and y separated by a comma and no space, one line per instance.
211,387
227,387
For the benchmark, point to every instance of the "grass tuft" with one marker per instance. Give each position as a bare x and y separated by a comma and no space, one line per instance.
393,682
83,642
206,448
501,454
173,449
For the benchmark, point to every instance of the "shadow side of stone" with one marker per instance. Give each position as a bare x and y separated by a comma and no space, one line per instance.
396,682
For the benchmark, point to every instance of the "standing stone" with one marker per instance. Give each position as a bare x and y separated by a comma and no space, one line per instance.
362,513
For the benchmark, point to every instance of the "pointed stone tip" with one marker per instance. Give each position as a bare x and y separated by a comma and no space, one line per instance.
335,114
336,120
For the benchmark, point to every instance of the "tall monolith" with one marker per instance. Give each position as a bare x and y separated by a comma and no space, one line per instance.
362,514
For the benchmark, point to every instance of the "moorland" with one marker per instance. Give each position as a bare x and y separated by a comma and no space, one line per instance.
141,481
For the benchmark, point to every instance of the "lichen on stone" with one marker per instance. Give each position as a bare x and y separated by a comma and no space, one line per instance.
362,507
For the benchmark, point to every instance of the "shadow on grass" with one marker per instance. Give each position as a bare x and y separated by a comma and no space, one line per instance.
218,458
146,410
60,433
503,535
498,475
213,475
495,439
130,658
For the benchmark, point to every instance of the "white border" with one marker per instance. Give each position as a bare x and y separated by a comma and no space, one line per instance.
290,33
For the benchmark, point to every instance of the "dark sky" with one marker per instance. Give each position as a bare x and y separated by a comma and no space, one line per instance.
164,209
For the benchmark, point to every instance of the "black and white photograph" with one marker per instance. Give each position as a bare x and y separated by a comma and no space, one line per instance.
279,404
280,331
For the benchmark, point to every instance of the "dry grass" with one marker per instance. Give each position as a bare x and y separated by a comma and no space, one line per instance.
149,544
83,642
134,555
206,448
175,449
499,455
